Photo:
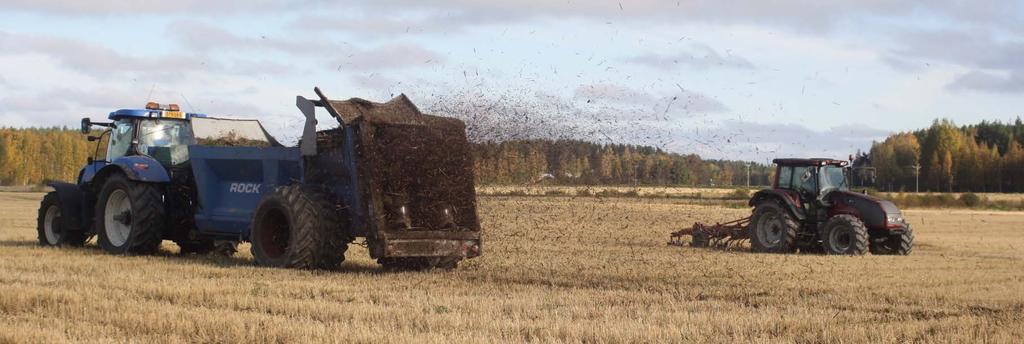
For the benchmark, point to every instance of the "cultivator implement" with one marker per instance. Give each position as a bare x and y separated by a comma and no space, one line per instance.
719,235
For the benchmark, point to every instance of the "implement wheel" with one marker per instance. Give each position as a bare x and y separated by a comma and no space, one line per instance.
297,227
845,234
130,217
50,226
899,245
772,229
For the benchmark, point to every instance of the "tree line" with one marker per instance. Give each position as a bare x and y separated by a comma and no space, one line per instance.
585,163
984,157
32,156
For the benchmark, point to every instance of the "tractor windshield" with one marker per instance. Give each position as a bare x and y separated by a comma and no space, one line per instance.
833,178
166,140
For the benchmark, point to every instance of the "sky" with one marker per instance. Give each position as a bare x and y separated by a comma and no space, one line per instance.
750,80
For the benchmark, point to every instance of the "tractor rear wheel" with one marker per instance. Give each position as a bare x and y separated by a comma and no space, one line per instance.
845,234
773,229
50,226
899,245
130,216
297,227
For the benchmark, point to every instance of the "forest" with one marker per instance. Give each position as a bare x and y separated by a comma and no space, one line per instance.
34,156
984,157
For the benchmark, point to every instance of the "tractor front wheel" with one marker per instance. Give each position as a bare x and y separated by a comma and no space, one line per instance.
51,226
845,234
772,229
297,227
130,216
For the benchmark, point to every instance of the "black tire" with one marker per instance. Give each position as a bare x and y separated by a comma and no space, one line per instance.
50,225
772,229
145,217
297,227
900,245
418,263
845,235
699,239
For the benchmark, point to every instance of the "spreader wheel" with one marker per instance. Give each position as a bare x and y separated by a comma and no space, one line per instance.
845,234
297,227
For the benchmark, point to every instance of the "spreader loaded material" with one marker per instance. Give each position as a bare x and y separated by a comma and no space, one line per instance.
720,235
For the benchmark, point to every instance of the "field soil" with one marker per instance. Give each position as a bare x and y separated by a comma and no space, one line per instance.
554,269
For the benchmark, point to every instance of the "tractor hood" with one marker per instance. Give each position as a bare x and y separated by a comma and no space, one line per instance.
874,211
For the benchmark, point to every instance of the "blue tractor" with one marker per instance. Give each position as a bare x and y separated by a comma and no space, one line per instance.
388,173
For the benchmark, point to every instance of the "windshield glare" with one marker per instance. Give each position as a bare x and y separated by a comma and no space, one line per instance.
833,177
165,133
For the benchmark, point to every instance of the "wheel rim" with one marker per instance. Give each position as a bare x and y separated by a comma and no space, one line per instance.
117,218
840,239
50,225
273,233
769,230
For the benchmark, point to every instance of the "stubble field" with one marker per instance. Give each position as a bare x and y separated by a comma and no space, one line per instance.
555,269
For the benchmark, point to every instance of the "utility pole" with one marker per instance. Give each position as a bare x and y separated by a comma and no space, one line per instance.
748,175
917,178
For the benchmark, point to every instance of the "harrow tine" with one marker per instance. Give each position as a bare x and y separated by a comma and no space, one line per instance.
720,235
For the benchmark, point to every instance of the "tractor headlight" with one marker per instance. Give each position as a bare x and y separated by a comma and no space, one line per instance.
894,219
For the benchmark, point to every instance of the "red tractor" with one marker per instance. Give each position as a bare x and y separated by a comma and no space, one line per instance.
810,208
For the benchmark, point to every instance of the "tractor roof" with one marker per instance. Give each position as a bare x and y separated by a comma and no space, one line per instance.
809,162
154,110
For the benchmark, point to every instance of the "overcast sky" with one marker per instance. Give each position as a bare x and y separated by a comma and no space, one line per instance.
725,79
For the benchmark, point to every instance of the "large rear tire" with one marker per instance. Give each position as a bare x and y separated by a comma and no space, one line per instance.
130,216
773,229
900,245
845,235
51,227
297,227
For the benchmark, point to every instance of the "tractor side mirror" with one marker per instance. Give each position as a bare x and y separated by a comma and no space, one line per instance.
86,124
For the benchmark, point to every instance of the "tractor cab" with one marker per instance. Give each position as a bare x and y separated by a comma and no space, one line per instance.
812,179
160,132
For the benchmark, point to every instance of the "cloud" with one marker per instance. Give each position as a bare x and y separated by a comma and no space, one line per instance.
389,56
703,58
97,60
109,7
996,64
612,93
196,35
984,81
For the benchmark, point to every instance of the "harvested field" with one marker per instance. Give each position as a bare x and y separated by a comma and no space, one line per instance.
555,269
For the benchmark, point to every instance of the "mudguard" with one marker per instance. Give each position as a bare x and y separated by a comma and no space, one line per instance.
788,198
70,203
138,168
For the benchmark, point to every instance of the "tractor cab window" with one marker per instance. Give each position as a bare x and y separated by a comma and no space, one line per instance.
804,180
165,140
786,177
120,139
833,178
